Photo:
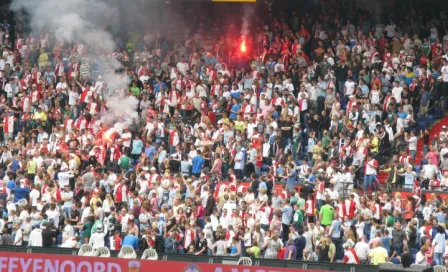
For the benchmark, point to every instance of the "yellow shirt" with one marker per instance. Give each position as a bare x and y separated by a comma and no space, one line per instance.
375,144
225,121
93,202
240,125
378,255
40,115
316,150
43,59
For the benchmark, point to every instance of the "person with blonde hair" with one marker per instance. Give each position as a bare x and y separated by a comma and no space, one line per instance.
272,245
378,254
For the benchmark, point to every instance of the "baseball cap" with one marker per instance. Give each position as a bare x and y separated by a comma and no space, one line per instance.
99,228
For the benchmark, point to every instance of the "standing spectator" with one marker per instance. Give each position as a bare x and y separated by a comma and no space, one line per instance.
287,213
362,250
48,238
398,239
6,238
130,240
326,214
36,238
97,238
197,163
378,254
439,245
18,237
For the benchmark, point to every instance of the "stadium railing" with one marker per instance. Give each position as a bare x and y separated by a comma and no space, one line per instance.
338,267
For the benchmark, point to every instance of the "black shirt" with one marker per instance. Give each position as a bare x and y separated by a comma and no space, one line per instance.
201,245
406,259
306,190
73,215
47,238
286,133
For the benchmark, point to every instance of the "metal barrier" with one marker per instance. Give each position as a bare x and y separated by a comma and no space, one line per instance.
338,267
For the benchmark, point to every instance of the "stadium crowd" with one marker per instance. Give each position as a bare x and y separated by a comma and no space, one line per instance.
266,153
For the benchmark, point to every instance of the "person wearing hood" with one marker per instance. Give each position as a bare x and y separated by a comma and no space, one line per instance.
97,238
36,235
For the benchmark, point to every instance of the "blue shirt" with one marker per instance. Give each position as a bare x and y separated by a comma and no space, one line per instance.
197,164
150,152
159,87
424,98
402,115
234,107
441,217
130,240
20,193
291,180
336,226
286,215
11,184
137,147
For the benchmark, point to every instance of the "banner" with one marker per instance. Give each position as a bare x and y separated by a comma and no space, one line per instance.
30,262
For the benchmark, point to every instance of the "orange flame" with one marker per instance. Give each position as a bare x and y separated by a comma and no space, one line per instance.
243,46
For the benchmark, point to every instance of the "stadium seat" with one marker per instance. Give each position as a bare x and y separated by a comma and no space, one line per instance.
86,250
421,125
102,252
420,117
150,254
439,268
430,119
127,252
246,261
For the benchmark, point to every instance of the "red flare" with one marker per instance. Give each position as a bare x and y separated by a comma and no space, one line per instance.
243,46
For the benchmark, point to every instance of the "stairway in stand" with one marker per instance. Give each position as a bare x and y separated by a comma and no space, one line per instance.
382,176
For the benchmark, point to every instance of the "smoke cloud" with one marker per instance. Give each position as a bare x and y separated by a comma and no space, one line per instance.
91,22
84,21
248,11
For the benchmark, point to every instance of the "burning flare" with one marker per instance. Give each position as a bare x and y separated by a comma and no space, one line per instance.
243,46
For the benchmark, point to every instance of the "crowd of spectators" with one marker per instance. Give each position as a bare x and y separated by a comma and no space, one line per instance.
264,153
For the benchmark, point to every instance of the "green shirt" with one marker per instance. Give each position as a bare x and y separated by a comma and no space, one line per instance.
301,204
293,200
124,162
298,218
327,213
135,91
390,221
326,141
32,165
88,228
255,251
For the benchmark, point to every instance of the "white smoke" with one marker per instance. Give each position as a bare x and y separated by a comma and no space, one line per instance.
248,11
85,21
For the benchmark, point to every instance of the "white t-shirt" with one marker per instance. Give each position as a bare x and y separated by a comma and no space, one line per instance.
182,67
396,92
127,143
27,228
362,249
390,29
73,98
413,143
17,237
97,240
70,243
53,215
444,71
350,87
67,204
